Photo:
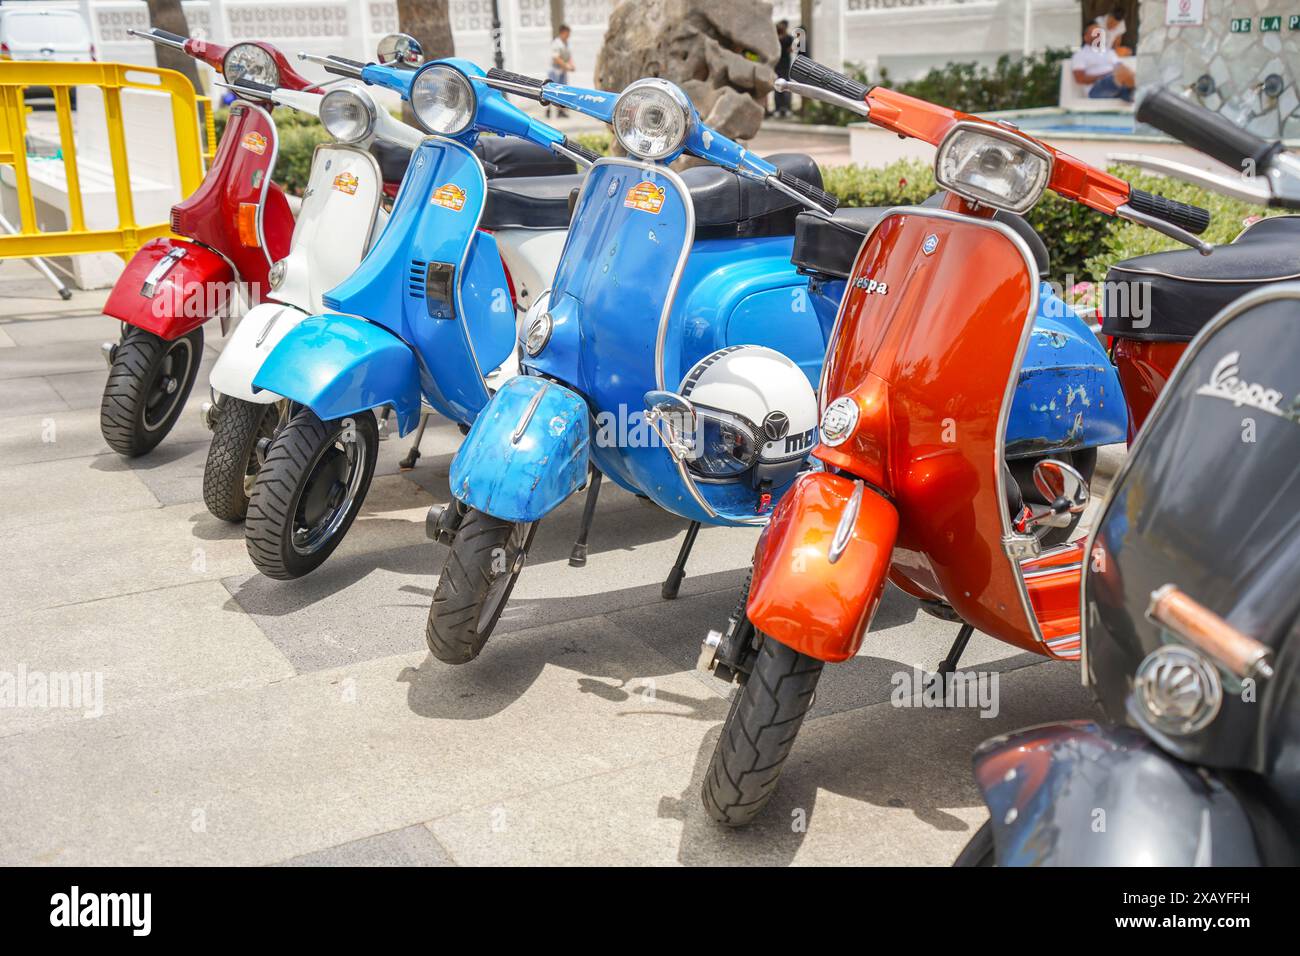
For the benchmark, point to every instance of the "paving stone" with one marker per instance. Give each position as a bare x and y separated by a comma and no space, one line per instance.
410,846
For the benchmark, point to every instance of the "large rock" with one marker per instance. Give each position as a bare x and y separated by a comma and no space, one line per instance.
720,53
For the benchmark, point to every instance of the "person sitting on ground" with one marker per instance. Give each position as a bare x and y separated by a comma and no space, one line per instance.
1097,67
561,62
1113,27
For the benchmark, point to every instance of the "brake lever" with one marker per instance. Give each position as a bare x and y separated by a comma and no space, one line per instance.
826,96
1165,228
1254,190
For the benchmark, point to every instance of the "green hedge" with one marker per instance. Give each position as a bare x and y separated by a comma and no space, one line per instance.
1018,83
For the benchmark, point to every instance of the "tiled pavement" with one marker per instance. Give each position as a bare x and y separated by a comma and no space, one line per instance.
247,721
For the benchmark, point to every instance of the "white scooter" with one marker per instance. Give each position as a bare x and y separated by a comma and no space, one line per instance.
340,218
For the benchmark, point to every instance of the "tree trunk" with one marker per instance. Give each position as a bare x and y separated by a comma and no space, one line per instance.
557,17
429,21
170,16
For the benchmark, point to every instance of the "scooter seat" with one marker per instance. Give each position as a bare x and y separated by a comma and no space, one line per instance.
829,246
727,206
503,157
529,202
1185,289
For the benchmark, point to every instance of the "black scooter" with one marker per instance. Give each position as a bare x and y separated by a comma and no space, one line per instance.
1191,623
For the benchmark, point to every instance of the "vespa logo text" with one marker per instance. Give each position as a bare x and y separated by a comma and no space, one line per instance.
871,286
1226,383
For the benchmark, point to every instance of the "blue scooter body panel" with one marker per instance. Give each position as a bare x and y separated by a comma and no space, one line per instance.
526,453
340,365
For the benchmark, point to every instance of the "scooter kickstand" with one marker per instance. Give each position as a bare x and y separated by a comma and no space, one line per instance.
955,652
412,456
674,580
578,556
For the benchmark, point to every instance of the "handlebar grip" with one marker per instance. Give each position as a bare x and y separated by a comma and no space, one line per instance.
590,155
249,86
1192,218
165,35
342,66
1205,131
518,79
811,73
820,197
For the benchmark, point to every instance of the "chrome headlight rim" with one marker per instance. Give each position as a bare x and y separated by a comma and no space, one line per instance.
537,334
1009,136
841,427
678,98
455,75
367,107
276,274
271,78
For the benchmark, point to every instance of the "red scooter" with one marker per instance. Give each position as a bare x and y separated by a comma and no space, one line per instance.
228,234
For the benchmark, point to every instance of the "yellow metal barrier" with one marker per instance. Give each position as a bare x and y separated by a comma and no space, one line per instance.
112,78
209,130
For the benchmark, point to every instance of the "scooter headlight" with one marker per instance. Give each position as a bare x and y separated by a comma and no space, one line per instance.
276,275
724,447
538,333
839,420
993,166
652,118
443,100
248,61
347,115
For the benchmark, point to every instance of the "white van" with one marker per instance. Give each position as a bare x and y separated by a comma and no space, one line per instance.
38,33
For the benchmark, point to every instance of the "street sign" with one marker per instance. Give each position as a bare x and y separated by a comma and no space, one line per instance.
1239,25
1270,24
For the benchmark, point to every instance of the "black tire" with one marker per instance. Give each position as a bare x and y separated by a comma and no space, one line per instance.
312,479
232,465
759,732
980,850
147,386
482,566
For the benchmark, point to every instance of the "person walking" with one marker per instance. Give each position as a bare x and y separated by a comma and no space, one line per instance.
561,63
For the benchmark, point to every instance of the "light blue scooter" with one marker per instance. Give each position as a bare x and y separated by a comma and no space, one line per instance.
428,315
674,353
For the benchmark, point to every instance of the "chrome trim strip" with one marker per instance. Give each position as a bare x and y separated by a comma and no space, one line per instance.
844,530
266,181
1230,311
149,288
1044,572
529,412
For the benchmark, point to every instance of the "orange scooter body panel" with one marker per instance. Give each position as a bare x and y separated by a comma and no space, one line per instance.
931,361
798,596
1053,581
1144,368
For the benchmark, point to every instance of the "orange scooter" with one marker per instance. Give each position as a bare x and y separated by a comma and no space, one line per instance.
910,483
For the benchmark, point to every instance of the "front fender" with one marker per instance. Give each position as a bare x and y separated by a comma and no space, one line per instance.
1084,794
258,334
193,286
802,598
340,365
526,452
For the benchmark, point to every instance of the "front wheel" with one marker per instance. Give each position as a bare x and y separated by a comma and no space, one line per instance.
308,492
148,382
759,733
481,569
231,469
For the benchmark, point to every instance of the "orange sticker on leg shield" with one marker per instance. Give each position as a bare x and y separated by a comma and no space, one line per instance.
254,142
645,196
346,183
451,196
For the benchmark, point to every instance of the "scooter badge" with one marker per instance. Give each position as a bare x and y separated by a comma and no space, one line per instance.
931,243
346,183
645,196
254,142
450,196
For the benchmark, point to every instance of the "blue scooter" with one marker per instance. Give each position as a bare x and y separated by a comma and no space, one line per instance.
639,362
429,314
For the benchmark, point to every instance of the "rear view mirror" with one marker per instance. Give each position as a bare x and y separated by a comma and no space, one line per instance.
400,49
1063,487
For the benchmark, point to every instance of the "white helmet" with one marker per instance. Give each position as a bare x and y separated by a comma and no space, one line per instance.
757,416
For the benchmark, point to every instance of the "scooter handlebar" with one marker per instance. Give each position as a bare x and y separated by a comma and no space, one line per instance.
340,66
1184,215
1207,132
811,73
807,190
590,155
518,83
161,36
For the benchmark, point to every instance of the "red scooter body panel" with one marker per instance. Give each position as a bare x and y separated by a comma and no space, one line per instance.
798,596
1144,368
930,359
196,288
238,184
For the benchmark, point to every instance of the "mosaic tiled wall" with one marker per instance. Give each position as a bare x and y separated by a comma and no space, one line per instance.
1241,43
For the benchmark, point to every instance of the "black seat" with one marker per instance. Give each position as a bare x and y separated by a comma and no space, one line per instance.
1182,290
829,246
529,202
509,156
393,160
727,206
